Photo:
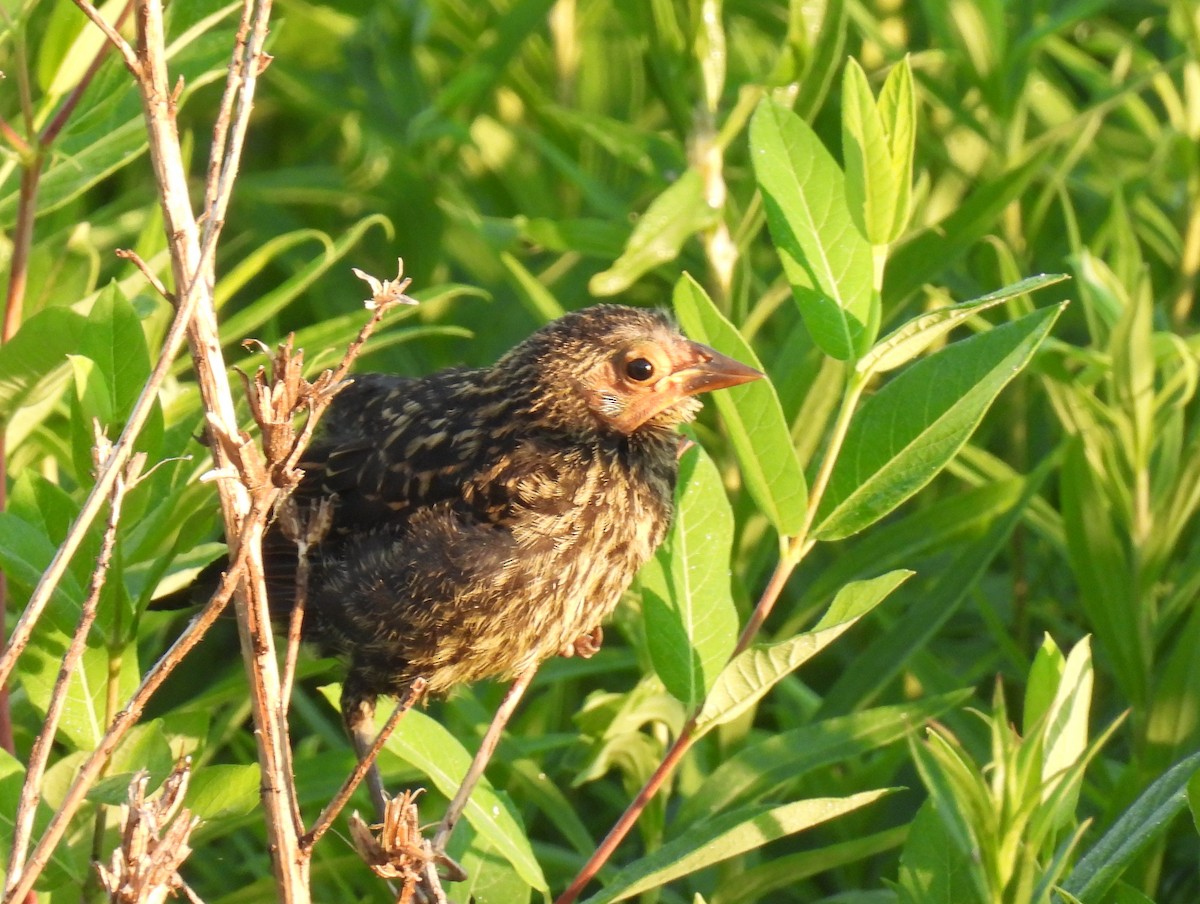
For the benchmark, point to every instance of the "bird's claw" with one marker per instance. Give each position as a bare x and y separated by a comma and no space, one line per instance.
585,646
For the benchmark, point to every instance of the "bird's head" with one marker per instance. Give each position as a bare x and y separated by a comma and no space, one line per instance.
623,369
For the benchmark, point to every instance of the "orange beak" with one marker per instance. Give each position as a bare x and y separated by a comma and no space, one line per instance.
697,369
712,370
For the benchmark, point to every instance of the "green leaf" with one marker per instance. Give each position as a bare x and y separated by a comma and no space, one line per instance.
245,322
755,671
1066,729
780,760
691,622
423,743
908,341
898,109
221,791
939,247
1145,820
727,835
933,867
751,413
950,585
827,261
61,869
908,431
671,219
34,369
1041,686
872,189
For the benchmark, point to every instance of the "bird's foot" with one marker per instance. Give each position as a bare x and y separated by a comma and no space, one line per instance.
585,646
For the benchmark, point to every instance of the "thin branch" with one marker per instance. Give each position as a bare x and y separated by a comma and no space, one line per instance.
128,254
39,756
114,37
91,768
415,690
50,132
486,748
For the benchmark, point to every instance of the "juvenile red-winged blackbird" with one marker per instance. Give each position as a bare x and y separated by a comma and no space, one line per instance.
485,520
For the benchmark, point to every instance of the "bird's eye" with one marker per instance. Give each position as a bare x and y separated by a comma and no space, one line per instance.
639,369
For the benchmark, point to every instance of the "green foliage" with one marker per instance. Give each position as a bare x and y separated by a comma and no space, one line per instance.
992,481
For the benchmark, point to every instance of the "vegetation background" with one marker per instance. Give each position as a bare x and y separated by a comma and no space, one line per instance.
527,157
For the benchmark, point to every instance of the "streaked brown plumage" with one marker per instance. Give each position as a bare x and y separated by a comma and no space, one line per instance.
485,520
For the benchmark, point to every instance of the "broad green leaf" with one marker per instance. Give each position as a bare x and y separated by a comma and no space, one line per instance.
933,868
491,879
222,791
671,219
727,835
691,622
143,749
872,184
62,868
755,671
781,759
34,368
1145,820
423,743
827,261
908,341
751,413
907,432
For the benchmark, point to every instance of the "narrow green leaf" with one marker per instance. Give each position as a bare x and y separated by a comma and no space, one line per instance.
751,413
1145,820
930,253
755,671
423,743
1066,729
725,836
671,219
898,109
827,261
781,760
907,432
243,324
1042,684
908,341
885,656
872,190
691,622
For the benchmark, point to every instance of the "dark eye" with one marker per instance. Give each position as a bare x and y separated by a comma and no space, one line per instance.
639,369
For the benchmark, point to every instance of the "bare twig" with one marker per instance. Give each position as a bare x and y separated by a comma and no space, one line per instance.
40,754
415,690
154,842
91,767
486,748
114,37
128,254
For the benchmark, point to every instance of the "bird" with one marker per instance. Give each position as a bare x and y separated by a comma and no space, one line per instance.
487,519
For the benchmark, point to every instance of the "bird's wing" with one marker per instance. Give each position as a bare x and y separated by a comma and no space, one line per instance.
392,446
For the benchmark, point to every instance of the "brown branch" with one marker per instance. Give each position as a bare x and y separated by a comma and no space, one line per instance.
114,37
40,754
91,768
335,806
127,254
